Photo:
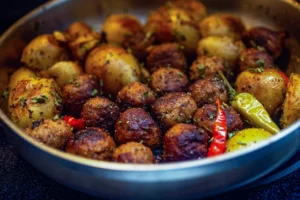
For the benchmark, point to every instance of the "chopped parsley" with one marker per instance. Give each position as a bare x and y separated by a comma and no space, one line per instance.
41,99
99,106
56,117
23,101
5,94
94,92
77,84
241,143
231,134
261,63
256,70
201,70
146,94
58,101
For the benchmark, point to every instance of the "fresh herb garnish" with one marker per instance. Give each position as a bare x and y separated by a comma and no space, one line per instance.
56,117
146,94
261,63
241,143
256,70
201,70
94,92
23,101
5,94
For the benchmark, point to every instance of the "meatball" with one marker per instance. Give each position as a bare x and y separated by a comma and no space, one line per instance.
207,90
207,66
194,8
205,117
271,41
136,125
254,58
166,80
174,108
54,133
135,95
185,142
100,112
222,25
168,55
133,152
78,91
94,143
77,29
43,52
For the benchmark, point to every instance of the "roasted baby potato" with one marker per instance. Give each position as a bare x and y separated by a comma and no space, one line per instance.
291,105
185,142
34,99
114,66
246,137
43,52
136,95
133,152
116,27
136,125
222,25
63,72
20,74
267,86
54,133
194,8
94,143
224,47
77,29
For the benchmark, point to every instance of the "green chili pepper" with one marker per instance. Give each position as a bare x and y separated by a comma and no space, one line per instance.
251,109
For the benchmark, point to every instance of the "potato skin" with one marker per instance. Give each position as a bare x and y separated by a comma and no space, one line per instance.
224,47
34,99
272,41
43,52
133,152
135,95
166,55
268,87
77,92
77,29
54,133
207,90
222,25
246,137
253,58
117,26
94,143
100,112
166,80
291,105
185,142
20,74
114,66
205,117
207,66
174,108
63,72
195,9
136,125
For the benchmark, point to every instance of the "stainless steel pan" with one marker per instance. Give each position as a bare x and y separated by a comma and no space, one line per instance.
196,178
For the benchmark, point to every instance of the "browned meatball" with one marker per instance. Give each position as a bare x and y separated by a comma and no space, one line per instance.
78,91
254,58
77,29
166,80
205,117
168,55
207,90
185,142
206,66
272,41
136,125
133,152
92,143
138,43
100,112
174,108
54,133
135,94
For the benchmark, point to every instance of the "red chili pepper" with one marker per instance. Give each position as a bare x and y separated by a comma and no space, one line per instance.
284,76
218,145
77,124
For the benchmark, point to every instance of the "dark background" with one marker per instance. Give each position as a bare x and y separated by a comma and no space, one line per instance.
19,180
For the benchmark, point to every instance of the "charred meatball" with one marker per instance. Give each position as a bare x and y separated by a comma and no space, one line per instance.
207,66
78,91
271,41
205,117
207,90
166,80
174,108
168,55
54,133
100,112
92,143
185,142
135,95
133,152
136,125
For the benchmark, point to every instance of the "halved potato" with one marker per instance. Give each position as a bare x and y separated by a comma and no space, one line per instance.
20,74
